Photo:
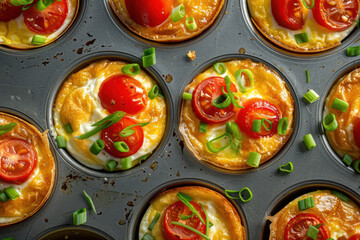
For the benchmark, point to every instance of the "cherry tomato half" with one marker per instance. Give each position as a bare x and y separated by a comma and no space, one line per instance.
8,11
298,226
149,13
204,95
356,131
17,161
112,134
174,232
122,93
256,108
336,15
355,237
288,13
48,20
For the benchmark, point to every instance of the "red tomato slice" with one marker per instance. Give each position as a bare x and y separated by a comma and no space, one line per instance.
256,108
298,226
112,134
122,93
357,131
336,15
8,11
47,21
174,232
149,13
204,95
355,237
288,13
17,161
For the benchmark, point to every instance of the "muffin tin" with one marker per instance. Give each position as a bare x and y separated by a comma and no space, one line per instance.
30,80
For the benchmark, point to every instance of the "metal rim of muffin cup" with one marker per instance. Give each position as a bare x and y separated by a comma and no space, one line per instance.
141,207
138,39
50,195
276,49
82,63
297,113
297,190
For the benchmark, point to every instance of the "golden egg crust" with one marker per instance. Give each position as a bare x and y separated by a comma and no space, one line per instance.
268,86
39,186
203,11
337,215
221,212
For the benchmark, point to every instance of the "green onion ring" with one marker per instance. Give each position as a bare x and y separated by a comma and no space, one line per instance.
178,13
241,81
264,125
213,149
128,131
79,217
307,6
356,166
288,167
152,94
20,2
121,146
222,101
283,126
230,93
97,147
131,69
191,23
330,123
219,68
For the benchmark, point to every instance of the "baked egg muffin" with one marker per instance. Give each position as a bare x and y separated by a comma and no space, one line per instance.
219,218
322,214
110,115
305,25
167,20
27,169
35,24
237,114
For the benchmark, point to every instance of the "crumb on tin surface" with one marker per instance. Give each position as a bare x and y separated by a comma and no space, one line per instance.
191,55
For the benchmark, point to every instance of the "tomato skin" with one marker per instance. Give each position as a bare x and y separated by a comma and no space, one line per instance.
17,161
172,213
122,93
332,16
356,131
256,108
288,13
47,21
149,13
204,95
111,134
355,237
8,11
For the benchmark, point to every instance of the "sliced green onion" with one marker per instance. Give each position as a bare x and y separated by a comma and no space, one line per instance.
149,57
154,221
38,40
213,149
318,225
3,196
11,193
43,4
312,232
178,13
347,159
244,191
187,96
307,6
186,217
128,131
311,96
330,239
90,201
340,105
143,158
61,142
152,94
191,23
357,23
97,147
111,165
79,217
253,159
233,129
256,125
8,238
186,201
241,81
306,203
206,220
222,101
309,141
126,163
356,166
121,146
203,127
219,68
236,145
147,236
301,38
330,124
20,2
230,93
353,51
184,196
264,125
307,76
288,168
68,128
131,69
7,128
192,229
27,6
283,126
340,195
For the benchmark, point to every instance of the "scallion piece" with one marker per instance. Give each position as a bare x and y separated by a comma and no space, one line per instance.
222,101
27,6
154,221
3,196
347,159
240,80
307,76
340,195
353,51
244,194
111,165
68,128
340,105
236,145
256,125
264,125
61,142
203,127
152,94
311,96
8,238
38,40
312,232
283,126
357,23
184,198
128,131
288,167
178,13
147,236
219,68
330,124
356,166
233,129
11,193
97,147
309,141
301,38
206,220
7,128
213,149
307,6
143,158
192,229
43,4
330,239
131,69
90,201
306,203
79,217
191,23
20,2
149,57
121,146
182,217
187,96
230,93
253,159
126,163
